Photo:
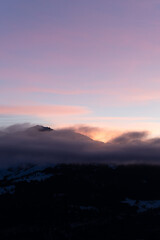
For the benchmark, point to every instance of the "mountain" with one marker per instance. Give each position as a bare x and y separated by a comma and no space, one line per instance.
59,134
40,144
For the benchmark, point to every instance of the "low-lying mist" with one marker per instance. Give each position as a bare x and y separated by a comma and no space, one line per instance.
22,144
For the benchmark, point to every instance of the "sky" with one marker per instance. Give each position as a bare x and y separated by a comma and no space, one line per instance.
91,63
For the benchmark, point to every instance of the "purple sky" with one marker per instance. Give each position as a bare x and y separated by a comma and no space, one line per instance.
91,62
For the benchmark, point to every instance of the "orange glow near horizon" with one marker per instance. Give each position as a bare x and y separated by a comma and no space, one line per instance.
104,132
102,135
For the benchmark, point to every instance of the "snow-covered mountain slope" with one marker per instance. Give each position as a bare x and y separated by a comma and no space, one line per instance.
9,177
142,205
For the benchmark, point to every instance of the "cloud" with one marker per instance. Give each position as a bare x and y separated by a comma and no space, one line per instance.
62,91
16,128
42,111
96,133
22,144
130,137
86,130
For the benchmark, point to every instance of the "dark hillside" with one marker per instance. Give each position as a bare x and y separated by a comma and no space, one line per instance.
84,202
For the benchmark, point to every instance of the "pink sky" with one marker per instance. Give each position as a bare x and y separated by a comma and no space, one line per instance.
92,62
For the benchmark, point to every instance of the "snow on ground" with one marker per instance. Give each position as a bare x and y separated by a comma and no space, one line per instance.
8,189
8,177
142,204
88,208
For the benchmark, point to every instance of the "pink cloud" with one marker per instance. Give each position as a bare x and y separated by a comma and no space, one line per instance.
43,111
120,118
124,96
62,91
141,95
103,95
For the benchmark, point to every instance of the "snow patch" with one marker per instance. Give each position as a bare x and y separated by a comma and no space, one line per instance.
7,189
143,205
